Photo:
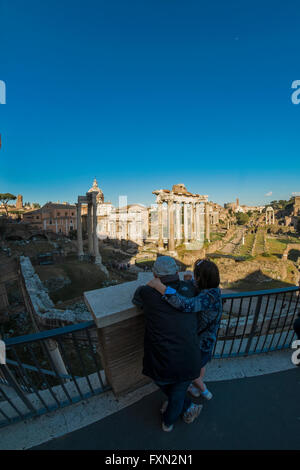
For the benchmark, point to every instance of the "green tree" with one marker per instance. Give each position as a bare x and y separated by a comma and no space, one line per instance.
5,198
298,225
242,218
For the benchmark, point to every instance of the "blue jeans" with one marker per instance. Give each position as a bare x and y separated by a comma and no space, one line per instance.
205,358
297,327
178,402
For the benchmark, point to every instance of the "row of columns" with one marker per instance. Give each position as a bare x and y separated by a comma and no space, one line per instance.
176,230
122,229
270,217
195,223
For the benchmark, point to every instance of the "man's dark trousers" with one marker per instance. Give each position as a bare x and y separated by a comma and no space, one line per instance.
178,402
297,327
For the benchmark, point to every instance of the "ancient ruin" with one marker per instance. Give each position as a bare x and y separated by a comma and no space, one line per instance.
41,308
188,217
185,218
270,216
93,243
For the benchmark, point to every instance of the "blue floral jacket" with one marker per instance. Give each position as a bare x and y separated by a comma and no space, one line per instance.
208,304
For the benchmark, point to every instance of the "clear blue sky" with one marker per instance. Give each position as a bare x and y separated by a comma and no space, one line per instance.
147,93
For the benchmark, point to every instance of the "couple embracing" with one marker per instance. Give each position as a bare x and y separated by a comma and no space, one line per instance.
181,324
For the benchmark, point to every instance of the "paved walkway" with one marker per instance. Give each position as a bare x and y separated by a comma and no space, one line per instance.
261,412
229,247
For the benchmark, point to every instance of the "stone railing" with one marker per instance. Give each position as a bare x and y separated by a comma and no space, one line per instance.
247,316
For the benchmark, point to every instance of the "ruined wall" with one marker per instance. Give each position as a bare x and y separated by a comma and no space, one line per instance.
191,256
218,244
289,247
39,304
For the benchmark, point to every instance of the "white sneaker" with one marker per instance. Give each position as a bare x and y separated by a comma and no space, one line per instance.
167,428
206,394
163,425
194,391
192,413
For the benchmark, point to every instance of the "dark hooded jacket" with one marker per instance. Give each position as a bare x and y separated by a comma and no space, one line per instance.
171,351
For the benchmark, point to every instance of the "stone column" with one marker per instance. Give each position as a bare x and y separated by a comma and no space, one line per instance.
149,224
171,242
125,223
185,222
117,225
79,232
199,220
139,228
207,225
178,222
56,357
97,256
196,221
193,221
160,226
112,229
90,229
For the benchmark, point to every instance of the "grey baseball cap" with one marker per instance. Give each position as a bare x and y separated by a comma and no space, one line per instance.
165,266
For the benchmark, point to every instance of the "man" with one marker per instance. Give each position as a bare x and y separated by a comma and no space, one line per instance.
171,354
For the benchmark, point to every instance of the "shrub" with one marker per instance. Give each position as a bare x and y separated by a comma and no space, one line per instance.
242,218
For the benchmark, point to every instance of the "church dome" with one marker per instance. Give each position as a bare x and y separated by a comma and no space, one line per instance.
95,189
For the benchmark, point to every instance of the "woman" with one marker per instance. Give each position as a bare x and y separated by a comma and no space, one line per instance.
208,304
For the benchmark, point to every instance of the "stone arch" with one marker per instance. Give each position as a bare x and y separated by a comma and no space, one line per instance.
39,236
14,237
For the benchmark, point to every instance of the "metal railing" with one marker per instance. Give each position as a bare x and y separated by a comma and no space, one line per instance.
257,322
55,368
49,370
